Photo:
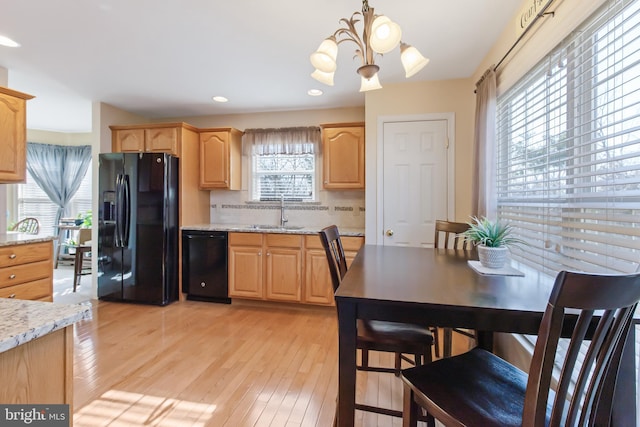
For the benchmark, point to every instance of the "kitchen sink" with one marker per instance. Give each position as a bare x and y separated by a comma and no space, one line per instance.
274,227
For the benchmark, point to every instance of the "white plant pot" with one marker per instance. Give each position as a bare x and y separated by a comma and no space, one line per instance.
492,257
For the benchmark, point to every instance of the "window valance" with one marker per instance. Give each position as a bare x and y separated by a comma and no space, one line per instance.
295,140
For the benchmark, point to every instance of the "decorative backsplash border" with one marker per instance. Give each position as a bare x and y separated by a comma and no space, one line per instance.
288,207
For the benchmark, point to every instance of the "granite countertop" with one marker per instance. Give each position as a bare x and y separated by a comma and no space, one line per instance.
13,238
245,228
22,321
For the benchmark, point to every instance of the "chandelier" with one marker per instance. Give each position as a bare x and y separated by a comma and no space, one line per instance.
379,35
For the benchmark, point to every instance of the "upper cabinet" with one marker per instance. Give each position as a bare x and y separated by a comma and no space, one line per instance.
13,135
343,156
160,138
221,158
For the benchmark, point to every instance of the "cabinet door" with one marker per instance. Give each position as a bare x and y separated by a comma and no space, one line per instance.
214,159
128,140
245,272
161,140
13,134
318,288
283,266
343,157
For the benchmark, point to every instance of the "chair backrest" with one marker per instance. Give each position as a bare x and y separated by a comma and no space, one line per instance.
617,296
332,244
27,225
449,228
84,235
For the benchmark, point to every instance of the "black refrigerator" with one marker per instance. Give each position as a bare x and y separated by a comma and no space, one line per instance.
138,228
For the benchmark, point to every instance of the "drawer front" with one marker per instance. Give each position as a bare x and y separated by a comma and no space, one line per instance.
349,243
21,254
245,239
284,240
36,290
10,276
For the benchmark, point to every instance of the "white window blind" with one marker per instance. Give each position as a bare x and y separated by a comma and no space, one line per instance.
291,175
33,202
568,138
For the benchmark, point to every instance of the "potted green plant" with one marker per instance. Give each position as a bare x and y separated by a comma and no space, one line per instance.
492,238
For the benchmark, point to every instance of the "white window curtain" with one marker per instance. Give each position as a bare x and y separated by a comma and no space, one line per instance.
568,171
483,195
297,140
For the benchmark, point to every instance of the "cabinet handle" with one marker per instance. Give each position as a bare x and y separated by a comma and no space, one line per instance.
12,256
259,253
13,276
202,284
268,253
12,296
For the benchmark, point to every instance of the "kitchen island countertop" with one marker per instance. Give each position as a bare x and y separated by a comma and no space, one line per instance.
22,321
13,238
246,228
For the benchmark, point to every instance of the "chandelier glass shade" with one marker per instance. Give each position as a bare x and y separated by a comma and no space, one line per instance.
380,35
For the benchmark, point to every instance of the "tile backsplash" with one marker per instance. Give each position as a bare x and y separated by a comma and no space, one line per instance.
343,208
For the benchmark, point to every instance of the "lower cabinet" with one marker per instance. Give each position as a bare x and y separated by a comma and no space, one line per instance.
317,285
26,271
283,267
265,266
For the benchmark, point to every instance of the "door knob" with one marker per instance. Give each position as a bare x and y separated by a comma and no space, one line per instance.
389,232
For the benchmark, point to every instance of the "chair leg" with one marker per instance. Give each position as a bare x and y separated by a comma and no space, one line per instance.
436,341
77,268
409,408
365,357
397,364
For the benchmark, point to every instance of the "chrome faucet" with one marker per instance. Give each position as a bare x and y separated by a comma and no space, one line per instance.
283,219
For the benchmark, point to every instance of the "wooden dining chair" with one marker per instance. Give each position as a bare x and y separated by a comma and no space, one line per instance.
82,259
478,388
451,234
398,338
27,225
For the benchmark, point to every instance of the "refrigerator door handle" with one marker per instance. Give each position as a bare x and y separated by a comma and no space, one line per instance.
118,218
126,210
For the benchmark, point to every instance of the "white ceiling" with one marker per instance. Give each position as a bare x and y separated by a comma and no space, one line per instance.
167,58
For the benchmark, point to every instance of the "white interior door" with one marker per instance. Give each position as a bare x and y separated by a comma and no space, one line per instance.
415,182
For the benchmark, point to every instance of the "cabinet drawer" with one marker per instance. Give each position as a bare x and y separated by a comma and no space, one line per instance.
245,239
36,290
14,275
284,240
348,243
22,254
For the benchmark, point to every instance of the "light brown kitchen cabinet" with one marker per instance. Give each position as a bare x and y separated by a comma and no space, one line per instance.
318,288
13,135
343,156
283,266
245,265
221,158
265,266
151,138
26,271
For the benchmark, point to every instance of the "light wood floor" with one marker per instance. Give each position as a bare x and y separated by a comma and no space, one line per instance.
203,364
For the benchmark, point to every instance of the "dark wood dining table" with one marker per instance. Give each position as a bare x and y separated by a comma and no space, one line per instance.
437,287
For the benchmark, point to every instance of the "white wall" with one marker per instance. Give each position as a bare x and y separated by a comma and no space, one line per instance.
4,81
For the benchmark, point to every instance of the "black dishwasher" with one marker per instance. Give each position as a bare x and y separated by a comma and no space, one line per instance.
204,265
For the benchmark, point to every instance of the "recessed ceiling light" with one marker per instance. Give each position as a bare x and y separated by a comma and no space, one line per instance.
315,92
6,41
220,99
